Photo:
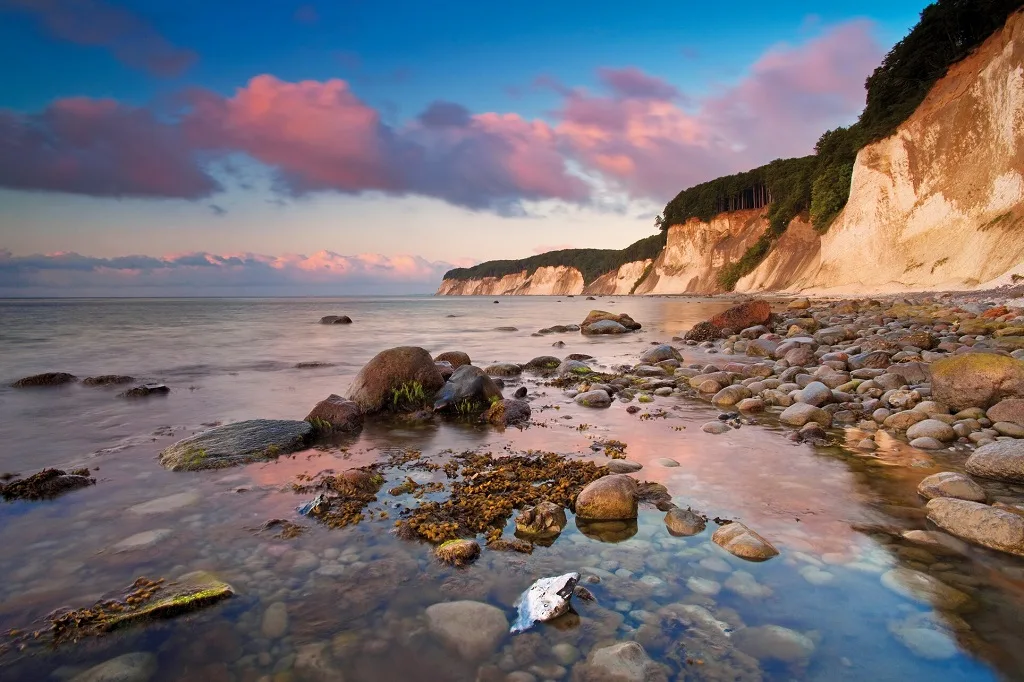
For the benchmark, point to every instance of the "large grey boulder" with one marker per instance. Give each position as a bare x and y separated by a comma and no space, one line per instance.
990,527
597,323
239,443
1002,460
660,353
398,378
469,389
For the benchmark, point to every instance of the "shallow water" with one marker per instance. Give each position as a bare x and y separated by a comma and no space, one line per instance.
362,592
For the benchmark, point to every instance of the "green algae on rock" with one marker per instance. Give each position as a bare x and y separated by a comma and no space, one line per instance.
243,442
458,552
46,484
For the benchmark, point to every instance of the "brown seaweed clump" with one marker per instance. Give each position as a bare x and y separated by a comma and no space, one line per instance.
417,490
510,545
342,498
286,530
46,484
144,600
489,489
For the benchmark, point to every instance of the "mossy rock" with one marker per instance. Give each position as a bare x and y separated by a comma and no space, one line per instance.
458,552
976,380
243,442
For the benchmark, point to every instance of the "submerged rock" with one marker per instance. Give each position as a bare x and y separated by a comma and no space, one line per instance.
544,600
46,484
622,662
610,498
990,527
334,413
239,443
146,390
135,667
471,628
108,380
925,589
47,379
774,643
976,380
741,541
458,552
403,378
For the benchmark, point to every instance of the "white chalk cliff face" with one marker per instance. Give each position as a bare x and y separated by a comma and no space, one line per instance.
937,205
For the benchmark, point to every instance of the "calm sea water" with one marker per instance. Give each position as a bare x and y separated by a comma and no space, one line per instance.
357,595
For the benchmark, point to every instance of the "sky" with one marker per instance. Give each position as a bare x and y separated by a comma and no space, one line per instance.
273,147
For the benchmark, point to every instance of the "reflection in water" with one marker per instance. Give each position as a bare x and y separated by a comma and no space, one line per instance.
353,601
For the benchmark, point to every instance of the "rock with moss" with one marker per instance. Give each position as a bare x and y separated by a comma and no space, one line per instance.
46,484
458,552
504,369
334,413
508,412
47,379
400,379
243,442
545,519
660,353
543,363
976,380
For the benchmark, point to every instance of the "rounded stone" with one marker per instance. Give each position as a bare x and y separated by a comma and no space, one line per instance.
610,498
135,667
1000,460
799,414
743,542
716,427
932,428
471,628
684,522
596,398
926,443
951,484
925,589
990,527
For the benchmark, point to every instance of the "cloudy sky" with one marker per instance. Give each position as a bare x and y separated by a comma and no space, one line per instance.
150,147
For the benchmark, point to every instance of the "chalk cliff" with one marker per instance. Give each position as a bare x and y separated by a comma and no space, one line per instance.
937,205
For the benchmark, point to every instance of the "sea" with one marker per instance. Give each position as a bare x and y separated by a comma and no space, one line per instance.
351,603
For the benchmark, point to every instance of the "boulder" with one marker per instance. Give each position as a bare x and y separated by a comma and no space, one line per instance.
454,357
605,327
136,667
610,498
239,443
703,331
684,522
740,541
653,356
145,391
507,412
1009,410
976,380
336,319
471,628
990,527
597,316
46,484
545,519
596,398
951,484
401,378
468,390
799,414
576,367
334,413
748,314
932,428
47,379
1002,460
815,393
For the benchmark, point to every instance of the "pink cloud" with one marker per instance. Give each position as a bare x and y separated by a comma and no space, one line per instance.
130,38
200,271
630,83
100,148
320,136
